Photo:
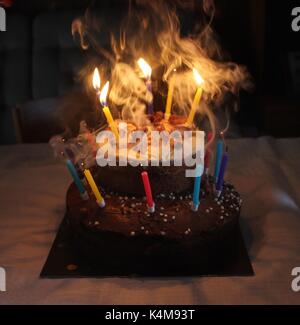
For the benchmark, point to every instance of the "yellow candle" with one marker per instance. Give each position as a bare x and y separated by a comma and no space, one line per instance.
196,102
111,121
106,110
94,188
169,100
199,80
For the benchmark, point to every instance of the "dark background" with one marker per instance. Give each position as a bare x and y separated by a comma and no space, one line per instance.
38,59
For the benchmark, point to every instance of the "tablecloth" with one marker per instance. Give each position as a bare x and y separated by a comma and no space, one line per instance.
266,172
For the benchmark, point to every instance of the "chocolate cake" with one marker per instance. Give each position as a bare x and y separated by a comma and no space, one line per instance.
126,238
173,239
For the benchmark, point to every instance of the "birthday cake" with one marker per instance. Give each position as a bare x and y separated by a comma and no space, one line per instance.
130,235
142,204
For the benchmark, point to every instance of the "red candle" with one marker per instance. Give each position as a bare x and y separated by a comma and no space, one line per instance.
150,202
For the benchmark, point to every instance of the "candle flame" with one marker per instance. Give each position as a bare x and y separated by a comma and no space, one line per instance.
145,67
96,79
198,78
103,94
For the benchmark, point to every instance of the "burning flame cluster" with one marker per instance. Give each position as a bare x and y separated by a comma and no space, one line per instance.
97,86
151,29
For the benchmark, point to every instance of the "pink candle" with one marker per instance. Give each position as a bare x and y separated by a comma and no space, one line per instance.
147,187
207,160
207,157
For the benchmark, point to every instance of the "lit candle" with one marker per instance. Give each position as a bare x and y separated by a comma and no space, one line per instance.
199,80
218,159
169,99
106,111
77,180
96,81
148,191
147,72
91,181
219,185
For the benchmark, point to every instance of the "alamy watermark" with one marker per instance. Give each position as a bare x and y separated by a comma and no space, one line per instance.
2,279
166,149
296,281
296,20
2,20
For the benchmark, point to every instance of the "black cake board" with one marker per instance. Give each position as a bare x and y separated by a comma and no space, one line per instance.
65,262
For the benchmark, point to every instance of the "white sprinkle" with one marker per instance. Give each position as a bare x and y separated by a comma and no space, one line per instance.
147,232
163,233
165,220
142,228
132,233
207,210
173,218
97,223
133,197
162,208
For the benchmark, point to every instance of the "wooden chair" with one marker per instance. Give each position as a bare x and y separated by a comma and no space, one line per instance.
37,121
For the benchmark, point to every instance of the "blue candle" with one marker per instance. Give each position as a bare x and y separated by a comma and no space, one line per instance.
219,185
218,159
76,179
197,186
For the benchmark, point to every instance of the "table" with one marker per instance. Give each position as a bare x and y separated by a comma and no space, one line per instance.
266,171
